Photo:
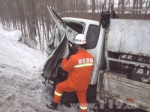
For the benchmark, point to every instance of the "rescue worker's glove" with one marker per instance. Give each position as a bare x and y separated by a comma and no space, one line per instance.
66,51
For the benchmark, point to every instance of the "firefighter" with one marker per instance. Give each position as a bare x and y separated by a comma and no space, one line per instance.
79,66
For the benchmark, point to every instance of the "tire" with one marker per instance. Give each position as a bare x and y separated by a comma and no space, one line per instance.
60,73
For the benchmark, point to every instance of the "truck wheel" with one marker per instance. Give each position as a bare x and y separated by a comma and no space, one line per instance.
60,73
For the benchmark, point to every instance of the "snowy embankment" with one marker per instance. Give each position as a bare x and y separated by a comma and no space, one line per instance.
21,88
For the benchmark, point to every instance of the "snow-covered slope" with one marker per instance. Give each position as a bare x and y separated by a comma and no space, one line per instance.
20,81
21,88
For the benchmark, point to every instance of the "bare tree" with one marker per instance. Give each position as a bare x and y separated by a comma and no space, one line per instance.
93,8
33,19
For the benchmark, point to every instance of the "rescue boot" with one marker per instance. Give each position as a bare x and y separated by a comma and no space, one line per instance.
52,106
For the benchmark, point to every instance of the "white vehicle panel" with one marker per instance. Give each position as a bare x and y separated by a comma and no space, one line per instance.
127,37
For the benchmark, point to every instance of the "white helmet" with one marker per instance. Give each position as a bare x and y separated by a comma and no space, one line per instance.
80,39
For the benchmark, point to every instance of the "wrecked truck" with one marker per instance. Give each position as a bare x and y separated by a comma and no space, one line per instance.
121,51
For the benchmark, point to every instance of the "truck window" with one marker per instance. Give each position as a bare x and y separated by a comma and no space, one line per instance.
75,26
92,36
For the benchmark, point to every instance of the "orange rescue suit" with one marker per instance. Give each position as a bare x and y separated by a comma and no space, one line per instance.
80,68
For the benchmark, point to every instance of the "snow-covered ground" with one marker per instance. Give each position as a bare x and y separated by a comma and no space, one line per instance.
21,88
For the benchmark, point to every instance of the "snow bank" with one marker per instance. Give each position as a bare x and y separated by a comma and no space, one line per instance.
21,88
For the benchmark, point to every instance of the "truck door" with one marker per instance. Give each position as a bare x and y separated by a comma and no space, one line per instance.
58,52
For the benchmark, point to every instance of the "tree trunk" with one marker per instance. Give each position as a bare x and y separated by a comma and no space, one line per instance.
93,9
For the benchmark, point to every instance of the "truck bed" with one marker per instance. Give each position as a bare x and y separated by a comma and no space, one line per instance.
128,91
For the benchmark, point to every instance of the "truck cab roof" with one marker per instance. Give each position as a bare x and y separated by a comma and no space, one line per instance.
80,20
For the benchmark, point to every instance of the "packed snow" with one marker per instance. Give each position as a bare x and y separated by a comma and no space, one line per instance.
21,88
